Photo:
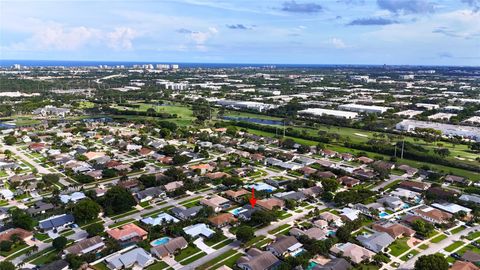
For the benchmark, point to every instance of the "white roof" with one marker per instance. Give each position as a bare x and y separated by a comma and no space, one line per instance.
320,112
198,229
160,219
74,197
451,207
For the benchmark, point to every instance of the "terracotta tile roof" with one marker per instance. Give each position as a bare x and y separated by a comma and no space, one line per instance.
127,232
222,219
6,235
270,203
459,265
236,194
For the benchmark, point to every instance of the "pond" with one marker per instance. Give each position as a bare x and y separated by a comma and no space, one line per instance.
253,120
4,125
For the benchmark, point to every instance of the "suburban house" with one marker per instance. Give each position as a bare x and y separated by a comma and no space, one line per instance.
199,229
22,234
148,194
169,248
217,203
172,186
161,218
334,264
349,214
414,186
432,214
271,203
348,181
331,219
460,265
134,258
58,223
376,242
236,196
40,207
258,260
356,253
285,246
128,233
85,246
74,197
186,213
395,230
312,233
56,265
222,220
391,203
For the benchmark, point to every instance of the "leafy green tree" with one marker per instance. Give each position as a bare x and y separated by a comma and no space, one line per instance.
330,185
51,178
245,233
431,262
422,227
86,210
95,229
6,265
148,180
118,200
169,150
6,245
109,173
10,140
138,165
59,243
22,220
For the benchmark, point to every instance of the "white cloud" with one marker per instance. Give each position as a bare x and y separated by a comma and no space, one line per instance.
121,38
337,43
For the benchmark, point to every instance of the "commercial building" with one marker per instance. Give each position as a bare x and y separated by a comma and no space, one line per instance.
466,132
363,108
326,112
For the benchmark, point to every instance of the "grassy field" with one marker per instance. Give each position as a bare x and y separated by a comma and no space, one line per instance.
251,115
279,228
184,114
473,235
218,259
417,164
158,266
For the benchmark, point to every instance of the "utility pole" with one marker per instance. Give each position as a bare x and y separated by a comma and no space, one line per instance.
395,150
403,145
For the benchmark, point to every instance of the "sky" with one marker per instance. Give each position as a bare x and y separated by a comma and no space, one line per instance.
392,32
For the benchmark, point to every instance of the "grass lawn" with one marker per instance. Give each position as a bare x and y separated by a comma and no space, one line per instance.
413,252
285,216
210,242
458,229
439,238
100,266
126,214
423,246
158,266
279,228
45,258
454,246
41,236
398,247
230,262
189,251
469,247
193,258
262,243
121,223
473,235
254,240
222,244
14,249
218,259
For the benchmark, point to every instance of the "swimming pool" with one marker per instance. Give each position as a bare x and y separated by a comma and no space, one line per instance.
330,233
311,265
383,214
160,241
406,205
238,211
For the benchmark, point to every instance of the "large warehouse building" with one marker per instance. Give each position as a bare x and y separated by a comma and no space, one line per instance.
466,132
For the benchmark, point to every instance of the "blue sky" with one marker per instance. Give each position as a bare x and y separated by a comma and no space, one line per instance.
430,32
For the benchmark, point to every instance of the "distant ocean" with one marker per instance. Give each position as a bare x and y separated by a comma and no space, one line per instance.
67,63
